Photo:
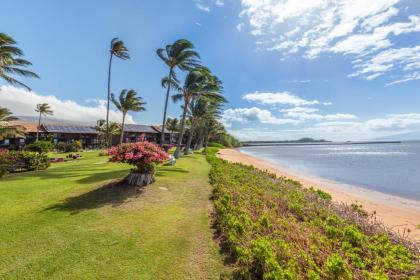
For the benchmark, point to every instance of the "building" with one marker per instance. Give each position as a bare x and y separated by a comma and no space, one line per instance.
87,135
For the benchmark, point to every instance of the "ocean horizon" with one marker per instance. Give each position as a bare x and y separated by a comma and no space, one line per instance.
390,168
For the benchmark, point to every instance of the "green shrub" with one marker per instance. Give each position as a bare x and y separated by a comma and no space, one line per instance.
40,147
275,229
216,145
13,161
68,147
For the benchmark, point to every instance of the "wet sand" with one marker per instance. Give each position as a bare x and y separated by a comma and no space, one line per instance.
395,212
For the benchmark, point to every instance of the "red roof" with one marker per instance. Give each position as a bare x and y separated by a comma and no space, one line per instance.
29,127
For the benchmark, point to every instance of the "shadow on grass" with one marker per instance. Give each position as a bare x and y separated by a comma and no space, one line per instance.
115,193
162,170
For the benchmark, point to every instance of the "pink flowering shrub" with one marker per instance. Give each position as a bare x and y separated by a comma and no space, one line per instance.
144,155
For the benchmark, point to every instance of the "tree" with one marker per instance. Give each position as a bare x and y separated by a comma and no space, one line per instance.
117,49
12,63
6,129
43,110
198,82
200,110
172,124
128,101
180,54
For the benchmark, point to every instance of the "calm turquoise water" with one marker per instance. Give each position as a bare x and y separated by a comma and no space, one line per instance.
387,168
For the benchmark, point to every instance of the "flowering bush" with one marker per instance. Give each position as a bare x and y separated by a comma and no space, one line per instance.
13,161
144,155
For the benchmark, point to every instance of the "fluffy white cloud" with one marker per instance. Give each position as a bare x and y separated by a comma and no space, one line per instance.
338,130
309,114
243,115
278,98
359,28
22,102
201,6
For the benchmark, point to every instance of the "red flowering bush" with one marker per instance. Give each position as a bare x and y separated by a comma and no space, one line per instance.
144,155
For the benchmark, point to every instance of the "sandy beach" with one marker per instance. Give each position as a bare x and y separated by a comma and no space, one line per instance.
395,212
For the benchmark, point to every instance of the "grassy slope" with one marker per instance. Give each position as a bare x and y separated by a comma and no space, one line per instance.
67,223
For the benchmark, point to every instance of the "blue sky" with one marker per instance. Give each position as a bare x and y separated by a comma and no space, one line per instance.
329,69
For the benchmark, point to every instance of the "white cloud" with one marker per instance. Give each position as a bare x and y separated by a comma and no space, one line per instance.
219,3
201,6
338,130
244,115
22,102
358,28
278,98
309,114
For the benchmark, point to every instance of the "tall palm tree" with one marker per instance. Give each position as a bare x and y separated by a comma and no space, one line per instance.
43,109
173,125
6,129
201,110
128,101
117,49
180,54
12,63
198,82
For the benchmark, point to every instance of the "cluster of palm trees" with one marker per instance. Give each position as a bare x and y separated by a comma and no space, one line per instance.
201,93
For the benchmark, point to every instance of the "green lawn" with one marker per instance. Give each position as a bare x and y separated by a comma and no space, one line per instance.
70,222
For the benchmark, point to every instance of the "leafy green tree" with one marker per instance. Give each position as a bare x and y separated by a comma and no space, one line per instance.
119,50
128,101
11,62
6,129
173,126
178,55
43,110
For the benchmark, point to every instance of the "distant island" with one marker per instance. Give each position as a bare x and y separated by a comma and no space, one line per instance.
301,140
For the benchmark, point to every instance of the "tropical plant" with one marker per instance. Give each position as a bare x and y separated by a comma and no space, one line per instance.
12,63
199,82
6,129
43,109
40,147
119,50
180,54
173,126
128,101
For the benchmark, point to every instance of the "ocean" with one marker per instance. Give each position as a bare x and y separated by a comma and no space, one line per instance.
391,168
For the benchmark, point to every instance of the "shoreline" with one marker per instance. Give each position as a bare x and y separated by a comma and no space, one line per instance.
395,212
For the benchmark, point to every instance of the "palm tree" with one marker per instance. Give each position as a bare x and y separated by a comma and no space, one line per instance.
117,49
198,82
43,110
201,110
11,63
7,130
180,54
173,125
128,101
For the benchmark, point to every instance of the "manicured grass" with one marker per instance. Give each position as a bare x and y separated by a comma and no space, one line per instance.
70,222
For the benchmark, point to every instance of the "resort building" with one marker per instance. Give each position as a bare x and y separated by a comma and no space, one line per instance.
88,136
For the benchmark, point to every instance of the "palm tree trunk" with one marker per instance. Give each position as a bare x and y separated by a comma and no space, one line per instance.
122,129
190,136
107,138
162,136
37,129
181,133
200,141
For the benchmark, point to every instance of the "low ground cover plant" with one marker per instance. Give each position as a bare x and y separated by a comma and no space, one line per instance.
273,228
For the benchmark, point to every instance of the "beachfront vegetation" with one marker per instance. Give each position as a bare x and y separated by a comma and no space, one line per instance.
127,101
119,50
11,62
75,221
272,228
180,55
43,110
